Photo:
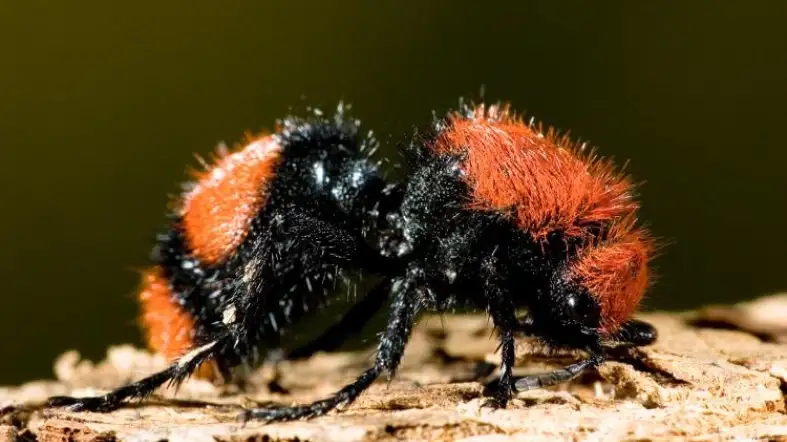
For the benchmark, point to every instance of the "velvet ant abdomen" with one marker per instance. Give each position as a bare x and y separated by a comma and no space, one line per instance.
493,213
259,238
169,329
216,214
214,217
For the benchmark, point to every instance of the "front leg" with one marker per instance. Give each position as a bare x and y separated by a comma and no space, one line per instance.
634,333
551,378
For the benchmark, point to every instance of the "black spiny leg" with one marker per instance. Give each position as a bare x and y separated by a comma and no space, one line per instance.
634,333
541,380
405,307
506,383
174,374
504,318
565,374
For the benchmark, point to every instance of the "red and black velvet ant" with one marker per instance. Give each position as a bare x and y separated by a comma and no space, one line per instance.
495,213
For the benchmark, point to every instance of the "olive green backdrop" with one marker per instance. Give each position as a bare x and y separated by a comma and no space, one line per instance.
103,103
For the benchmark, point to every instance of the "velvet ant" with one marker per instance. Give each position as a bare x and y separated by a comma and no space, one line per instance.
495,213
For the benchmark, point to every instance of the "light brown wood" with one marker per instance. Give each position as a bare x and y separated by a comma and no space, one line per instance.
698,382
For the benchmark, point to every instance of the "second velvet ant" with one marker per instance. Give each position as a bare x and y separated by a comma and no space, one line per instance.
495,213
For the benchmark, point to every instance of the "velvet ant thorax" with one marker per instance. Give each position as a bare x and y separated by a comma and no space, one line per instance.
546,184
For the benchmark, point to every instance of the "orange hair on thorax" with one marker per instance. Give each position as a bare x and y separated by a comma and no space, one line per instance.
616,272
544,180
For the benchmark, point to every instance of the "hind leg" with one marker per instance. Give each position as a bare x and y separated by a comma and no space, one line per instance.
404,309
306,253
174,374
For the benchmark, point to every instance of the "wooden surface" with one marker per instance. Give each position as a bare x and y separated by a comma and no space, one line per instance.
715,374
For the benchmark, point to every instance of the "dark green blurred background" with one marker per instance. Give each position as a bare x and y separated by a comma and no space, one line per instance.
102,105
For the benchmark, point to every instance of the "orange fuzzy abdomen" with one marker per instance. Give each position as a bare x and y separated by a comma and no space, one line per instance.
168,328
217,213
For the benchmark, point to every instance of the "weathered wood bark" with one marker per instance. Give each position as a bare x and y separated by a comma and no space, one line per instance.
714,374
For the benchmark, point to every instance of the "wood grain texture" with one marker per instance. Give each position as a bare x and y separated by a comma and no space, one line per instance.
707,378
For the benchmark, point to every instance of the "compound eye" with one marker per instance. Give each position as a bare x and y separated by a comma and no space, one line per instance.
582,308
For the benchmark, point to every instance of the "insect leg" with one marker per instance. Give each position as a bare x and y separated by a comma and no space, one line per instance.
174,374
404,309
